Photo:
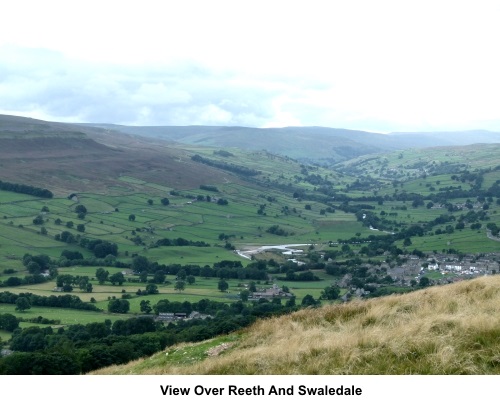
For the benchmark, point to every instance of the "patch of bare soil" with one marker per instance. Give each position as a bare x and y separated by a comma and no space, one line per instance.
216,350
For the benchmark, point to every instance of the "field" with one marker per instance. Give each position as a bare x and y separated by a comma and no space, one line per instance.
278,203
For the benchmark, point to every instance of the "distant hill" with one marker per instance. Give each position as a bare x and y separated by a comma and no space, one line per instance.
418,139
310,144
453,329
92,156
314,144
68,157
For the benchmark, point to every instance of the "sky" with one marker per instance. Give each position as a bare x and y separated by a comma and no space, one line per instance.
380,65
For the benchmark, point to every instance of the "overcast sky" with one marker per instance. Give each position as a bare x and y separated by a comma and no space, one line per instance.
373,65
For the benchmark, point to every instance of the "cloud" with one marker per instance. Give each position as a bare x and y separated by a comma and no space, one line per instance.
383,66
47,85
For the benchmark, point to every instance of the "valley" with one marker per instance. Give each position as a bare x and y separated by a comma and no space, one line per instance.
102,232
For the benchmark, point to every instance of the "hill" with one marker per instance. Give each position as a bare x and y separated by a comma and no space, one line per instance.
308,144
453,329
420,139
312,144
69,158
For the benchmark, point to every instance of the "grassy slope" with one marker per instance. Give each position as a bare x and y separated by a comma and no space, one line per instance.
441,330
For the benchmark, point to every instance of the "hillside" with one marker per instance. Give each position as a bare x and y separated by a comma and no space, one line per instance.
420,139
311,144
307,144
425,162
453,329
69,158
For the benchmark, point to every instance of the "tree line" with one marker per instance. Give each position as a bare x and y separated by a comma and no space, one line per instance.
26,189
79,349
241,170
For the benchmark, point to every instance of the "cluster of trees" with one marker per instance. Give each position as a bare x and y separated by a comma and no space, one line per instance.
35,265
224,269
82,348
60,301
67,281
118,306
100,248
277,230
223,153
299,276
14,281
207,187
25,189
180,242
241,170
81,210
103,275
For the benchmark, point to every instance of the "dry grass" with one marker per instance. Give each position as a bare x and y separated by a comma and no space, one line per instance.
441,330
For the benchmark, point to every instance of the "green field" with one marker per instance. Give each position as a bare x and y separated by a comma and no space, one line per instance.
284,194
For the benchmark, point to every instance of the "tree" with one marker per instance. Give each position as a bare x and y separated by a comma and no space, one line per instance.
118,306
22,304
165,201
80,228
145,306
150,201
84,284
179,285
159,277
67,237
131,217
38,220
117,278
244,294
71,255
103,249
80,209
33,267
190,279
151,289
222,285
143,276
290,302
330,293
308,300
8,322
140,264
424,282
69,224
101,275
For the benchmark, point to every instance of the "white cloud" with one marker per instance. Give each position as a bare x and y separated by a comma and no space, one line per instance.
385,65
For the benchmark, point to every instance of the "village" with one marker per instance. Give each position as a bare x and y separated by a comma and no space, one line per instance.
445,268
